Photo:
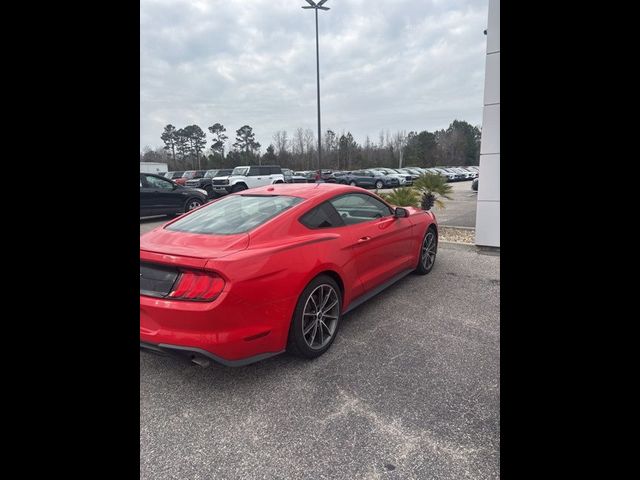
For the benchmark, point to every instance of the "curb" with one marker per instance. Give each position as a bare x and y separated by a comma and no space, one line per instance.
457,245
457,228
470,247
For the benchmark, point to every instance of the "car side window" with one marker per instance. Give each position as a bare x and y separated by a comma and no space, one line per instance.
359,207
275,171
254,172
155,182
322,216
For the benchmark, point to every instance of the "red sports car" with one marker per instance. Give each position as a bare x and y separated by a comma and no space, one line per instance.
274,268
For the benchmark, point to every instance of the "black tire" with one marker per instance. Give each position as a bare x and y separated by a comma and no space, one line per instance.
278,181
238,187
191,203
298,343
379,184
425,267
209,190
353,184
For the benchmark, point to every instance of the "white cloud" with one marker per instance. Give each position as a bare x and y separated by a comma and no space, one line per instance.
384,65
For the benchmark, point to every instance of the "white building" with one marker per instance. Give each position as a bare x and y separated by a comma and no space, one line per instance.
153,167
488,212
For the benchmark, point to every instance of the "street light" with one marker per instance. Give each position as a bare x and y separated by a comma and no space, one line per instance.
316,7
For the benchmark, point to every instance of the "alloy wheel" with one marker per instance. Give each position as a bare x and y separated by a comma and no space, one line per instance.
428,255
320,316
193,204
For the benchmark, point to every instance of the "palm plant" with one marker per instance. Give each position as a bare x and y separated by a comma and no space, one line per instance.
402,197
433,187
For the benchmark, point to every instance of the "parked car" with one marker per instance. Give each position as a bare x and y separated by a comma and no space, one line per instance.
249,176
369,179
205,182
406,171
474,185
173,175
466,174
451,176
312,176
189,175
274,268
291,177
405,180
161,196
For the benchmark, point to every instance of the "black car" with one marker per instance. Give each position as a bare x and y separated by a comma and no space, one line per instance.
369,179
205,182
326,176
160,196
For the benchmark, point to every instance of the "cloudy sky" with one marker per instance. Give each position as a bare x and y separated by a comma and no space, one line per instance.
384,65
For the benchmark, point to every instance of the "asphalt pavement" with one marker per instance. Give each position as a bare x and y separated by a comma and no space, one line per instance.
409,390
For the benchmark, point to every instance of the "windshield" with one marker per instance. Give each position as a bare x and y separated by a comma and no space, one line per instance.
211,173
189,174
234,214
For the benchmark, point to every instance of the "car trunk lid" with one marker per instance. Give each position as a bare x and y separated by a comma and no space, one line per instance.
188,249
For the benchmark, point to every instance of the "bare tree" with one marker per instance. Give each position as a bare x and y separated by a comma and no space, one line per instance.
297,144
399,141
281,141
309,144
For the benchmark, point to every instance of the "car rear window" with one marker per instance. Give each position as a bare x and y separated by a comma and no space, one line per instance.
234,214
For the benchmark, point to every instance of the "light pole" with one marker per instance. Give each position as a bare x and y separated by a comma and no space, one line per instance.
316,7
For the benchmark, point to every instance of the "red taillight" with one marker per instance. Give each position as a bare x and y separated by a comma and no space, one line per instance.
199,286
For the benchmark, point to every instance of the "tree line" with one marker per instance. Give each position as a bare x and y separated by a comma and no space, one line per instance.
187,148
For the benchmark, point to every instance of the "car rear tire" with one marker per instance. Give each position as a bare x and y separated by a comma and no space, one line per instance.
191,204
353,184
238,187
379,184
428,251
316,318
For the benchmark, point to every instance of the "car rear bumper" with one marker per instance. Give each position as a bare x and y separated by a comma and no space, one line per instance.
199,356
229,330
221,188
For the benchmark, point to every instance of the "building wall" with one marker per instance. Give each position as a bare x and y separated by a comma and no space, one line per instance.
488,211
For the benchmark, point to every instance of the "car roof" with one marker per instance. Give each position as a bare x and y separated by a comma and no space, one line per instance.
303,190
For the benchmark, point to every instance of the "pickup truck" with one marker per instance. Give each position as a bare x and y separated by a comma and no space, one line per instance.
245,177
205,182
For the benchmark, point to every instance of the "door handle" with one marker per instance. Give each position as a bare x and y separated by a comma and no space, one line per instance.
364,239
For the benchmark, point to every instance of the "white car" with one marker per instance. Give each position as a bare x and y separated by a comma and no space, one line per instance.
402,179
250,176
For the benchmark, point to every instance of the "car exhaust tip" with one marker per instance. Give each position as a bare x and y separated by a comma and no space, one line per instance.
201,361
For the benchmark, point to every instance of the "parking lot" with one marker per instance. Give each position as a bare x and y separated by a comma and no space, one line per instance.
460,211
409,390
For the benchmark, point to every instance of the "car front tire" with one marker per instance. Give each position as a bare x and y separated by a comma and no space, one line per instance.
379,184
428,251
192,203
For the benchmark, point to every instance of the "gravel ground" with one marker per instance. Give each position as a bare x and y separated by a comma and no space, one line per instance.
457,235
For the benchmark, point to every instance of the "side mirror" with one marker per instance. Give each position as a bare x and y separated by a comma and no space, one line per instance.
401,212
